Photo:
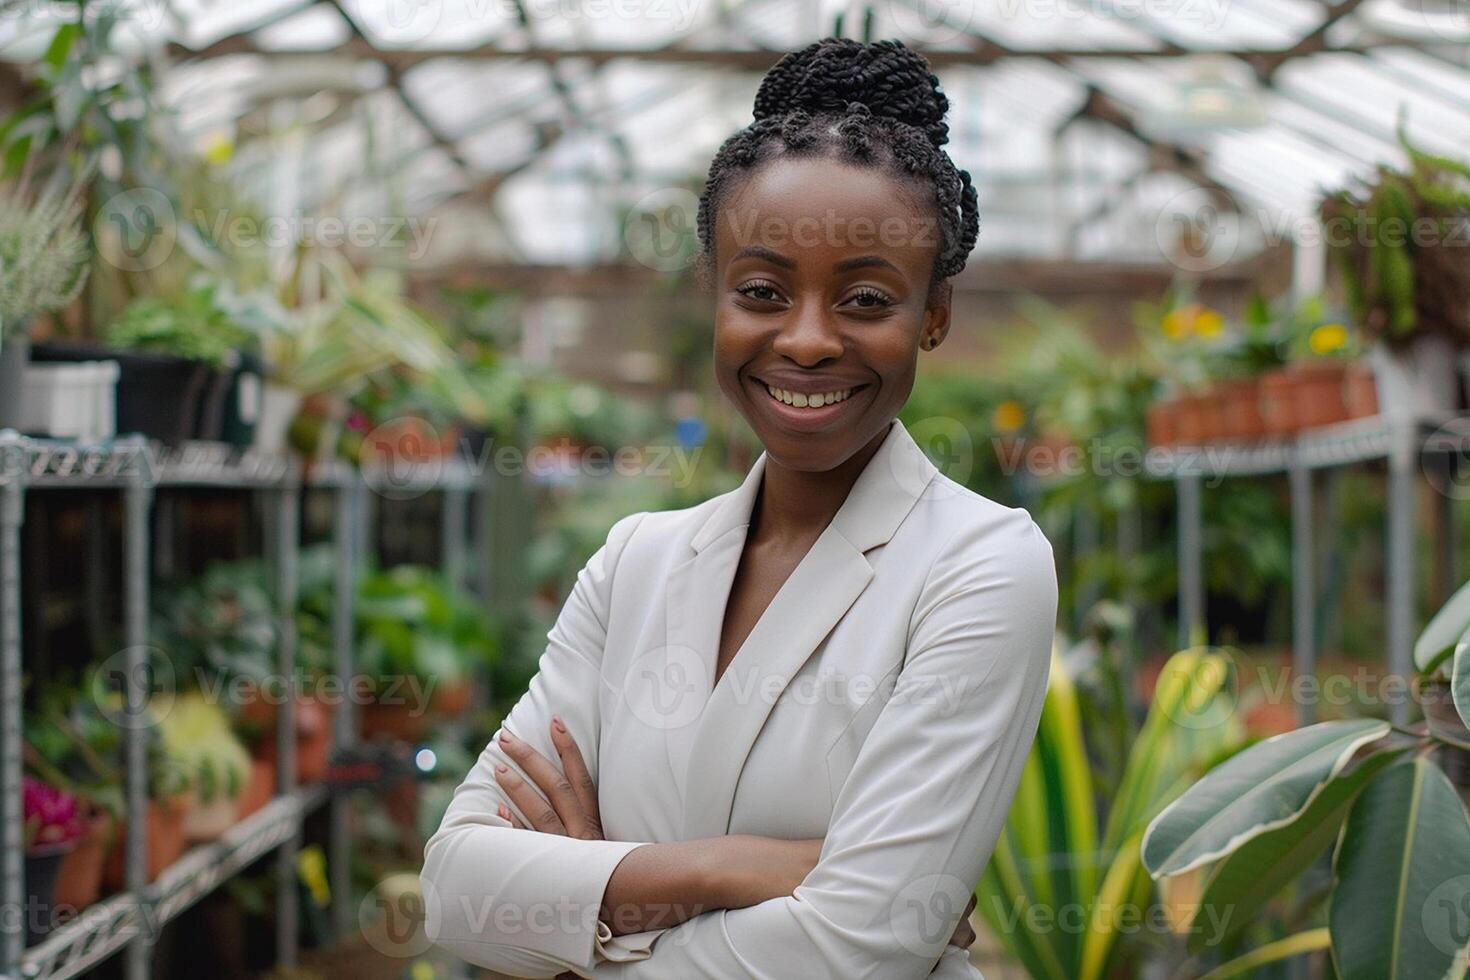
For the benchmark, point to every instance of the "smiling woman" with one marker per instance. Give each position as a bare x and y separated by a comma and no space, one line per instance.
777,734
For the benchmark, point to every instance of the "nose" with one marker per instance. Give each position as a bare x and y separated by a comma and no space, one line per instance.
808,337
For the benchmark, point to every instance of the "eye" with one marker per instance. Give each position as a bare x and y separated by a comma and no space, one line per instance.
870,299
759,289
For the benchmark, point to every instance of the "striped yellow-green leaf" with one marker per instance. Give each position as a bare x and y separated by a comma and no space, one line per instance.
1443,631
1303,942
1262,788
1241,883
1401,871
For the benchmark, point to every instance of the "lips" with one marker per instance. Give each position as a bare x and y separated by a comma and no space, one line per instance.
813,405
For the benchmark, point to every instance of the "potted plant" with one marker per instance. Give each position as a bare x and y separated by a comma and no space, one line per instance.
1374,794
44,258
1397,238
67,743
419,638
197,736
1186,339
1060,852
52,828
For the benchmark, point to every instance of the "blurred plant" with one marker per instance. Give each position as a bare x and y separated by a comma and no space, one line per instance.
1058,855
43,254
198,738
51,815
1373,793
206,321
1185,341
1396,238
219,626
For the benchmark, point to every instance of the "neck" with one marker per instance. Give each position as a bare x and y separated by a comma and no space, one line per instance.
797,505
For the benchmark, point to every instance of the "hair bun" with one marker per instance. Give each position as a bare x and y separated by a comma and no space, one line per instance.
835,75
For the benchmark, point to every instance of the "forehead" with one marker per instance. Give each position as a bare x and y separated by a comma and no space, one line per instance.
820,204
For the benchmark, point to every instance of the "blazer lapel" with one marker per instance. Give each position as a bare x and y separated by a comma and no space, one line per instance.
710,753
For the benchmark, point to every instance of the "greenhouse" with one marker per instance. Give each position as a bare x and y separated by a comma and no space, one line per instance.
662,489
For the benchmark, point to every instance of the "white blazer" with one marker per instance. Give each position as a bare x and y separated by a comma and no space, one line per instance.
885,701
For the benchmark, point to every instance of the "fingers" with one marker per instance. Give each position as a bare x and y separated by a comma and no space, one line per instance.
560,812
505,813
964,933
575,768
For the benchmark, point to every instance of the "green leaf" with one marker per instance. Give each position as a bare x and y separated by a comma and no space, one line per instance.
1460,679
1251,875
1262,788
61,44
1443,631
1402,870
1303,942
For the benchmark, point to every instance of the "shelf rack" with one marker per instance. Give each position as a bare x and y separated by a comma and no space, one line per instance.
137,467
1405,443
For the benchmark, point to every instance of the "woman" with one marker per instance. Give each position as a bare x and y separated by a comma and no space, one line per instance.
776,735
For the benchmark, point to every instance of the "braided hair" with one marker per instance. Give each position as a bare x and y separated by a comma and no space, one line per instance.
873,104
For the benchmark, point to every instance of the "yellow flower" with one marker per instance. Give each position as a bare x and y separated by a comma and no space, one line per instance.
1208,323
1008,417
1177,322
219,150
1327,338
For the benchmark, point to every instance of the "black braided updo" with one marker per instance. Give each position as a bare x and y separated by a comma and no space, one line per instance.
873,104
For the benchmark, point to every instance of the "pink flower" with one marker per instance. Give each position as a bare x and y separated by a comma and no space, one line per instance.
51,815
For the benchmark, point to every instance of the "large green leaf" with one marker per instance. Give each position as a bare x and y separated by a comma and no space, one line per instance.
1460,678
1262,788
1443,631
1252,874
1402,869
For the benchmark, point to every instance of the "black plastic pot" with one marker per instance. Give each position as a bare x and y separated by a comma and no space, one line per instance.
158,395
41,868
242,401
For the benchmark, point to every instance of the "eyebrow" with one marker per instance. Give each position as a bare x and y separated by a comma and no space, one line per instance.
776,258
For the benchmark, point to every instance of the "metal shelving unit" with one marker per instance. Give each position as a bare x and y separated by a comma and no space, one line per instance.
130,920
1404,443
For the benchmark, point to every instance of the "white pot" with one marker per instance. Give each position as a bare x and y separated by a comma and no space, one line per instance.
208,821
70,401
278,406
1417,381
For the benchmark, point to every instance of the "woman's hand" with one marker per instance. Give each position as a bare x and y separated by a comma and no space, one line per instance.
557,800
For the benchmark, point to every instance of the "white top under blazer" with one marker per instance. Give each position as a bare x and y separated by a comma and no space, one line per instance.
885,701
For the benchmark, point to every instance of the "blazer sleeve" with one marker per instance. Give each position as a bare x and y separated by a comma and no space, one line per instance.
929,792
523,903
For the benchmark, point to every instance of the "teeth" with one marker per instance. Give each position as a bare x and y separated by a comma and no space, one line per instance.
800,400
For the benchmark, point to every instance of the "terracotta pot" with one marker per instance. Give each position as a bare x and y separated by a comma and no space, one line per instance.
1240,409
1361,391
164,831
1319,393
79,882
453,700
407,720
313,734
1195,423
260,789
1161,423
1278,402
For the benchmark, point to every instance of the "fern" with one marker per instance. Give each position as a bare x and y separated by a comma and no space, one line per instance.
44,256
